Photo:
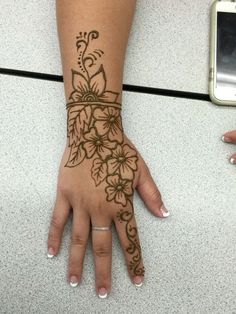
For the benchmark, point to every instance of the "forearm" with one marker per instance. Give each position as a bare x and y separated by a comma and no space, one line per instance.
112,21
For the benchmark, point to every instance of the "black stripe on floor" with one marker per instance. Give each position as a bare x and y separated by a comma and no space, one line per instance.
126,87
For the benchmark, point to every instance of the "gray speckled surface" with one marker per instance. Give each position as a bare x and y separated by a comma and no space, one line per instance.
189,257
168,44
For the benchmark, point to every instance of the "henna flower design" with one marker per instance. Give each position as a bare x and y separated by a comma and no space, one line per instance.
118,189
91,89
108,121
125,160
99,144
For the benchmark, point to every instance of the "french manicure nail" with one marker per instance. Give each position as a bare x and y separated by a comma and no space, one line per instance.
102,293
232,161
73,281
164,211
226,139
51,252
138,281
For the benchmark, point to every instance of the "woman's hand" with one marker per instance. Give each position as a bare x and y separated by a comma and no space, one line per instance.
99,170
230,137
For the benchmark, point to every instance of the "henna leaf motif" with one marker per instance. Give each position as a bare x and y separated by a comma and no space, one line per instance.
77,155
78,120
99,170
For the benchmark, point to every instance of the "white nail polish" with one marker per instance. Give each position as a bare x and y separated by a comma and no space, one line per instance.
232,161
73,284
223,138
164,211
165,214
50,255
138,284
73,281
102,296
102,293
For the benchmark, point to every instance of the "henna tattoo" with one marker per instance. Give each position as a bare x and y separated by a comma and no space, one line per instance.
132,235
95,131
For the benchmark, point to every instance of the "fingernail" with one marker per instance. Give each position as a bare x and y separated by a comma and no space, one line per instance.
138,281
164,211
102,293
226,139
51,252
73,281
232,161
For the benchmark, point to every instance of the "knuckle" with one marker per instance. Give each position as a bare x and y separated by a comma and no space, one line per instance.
63,188
77,239
55,223
155,195
101,251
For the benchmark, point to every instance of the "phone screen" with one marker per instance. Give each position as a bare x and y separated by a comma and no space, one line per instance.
226,50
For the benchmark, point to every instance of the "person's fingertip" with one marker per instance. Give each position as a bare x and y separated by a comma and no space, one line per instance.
226,139
232,160
138,281
164,211
51,252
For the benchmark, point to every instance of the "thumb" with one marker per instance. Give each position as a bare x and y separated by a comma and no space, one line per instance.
149,192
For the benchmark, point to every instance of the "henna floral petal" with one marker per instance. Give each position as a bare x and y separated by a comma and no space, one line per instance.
120,198
111,192
98,82
129,151
79,82
126,172
76,96
109,96
113,111
115,134
113,180
112,165
91,136
103,152
132,162
90,149
109,144
128,188
118,151
102,126
100,113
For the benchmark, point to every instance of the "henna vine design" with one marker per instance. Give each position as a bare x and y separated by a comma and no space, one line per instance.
94,130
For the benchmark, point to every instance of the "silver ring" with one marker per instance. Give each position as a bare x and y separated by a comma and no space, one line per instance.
101,228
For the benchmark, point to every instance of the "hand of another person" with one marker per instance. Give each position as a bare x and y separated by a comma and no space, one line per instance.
230,137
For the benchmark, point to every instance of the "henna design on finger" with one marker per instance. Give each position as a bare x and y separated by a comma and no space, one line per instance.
95,131
134,248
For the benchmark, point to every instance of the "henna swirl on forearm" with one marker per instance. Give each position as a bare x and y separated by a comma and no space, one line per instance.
94,131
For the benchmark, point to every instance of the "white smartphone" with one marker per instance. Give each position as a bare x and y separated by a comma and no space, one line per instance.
222,75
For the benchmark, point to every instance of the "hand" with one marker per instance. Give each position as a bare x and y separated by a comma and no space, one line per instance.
230,137
99,170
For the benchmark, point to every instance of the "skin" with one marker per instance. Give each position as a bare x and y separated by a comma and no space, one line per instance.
230,137
79,190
